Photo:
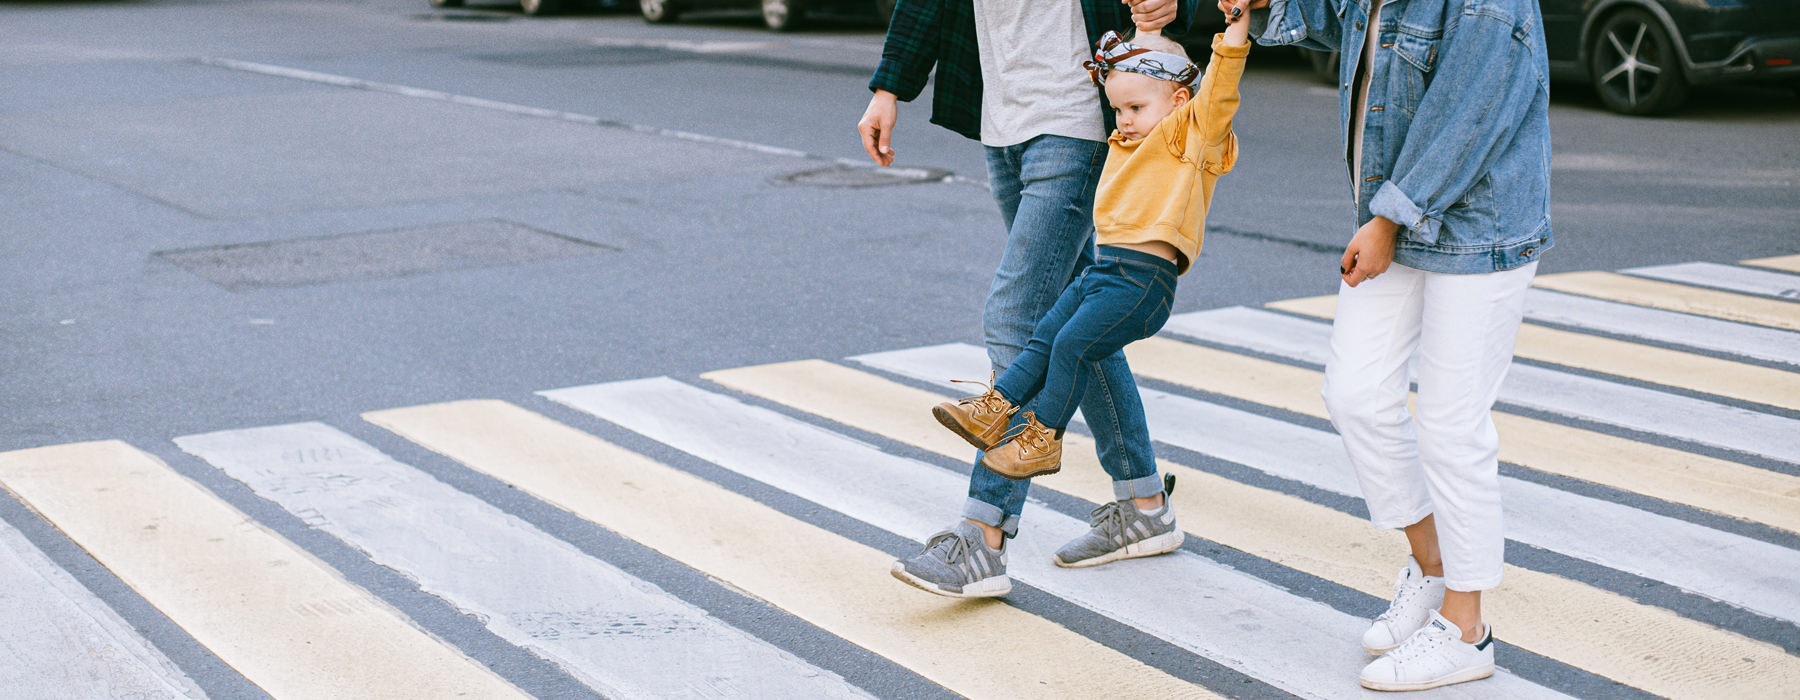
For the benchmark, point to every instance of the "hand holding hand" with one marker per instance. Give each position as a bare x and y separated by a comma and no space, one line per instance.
877,127
1152,15
1370,251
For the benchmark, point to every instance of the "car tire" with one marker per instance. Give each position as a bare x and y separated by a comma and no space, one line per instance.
540,8
782,15
445,3
1635,67
1324,65
659,11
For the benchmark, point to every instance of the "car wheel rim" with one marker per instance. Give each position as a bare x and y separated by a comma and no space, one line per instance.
775,12
1635,62
651,8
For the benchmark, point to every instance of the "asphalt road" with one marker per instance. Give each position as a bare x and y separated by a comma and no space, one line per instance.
201,204
123,138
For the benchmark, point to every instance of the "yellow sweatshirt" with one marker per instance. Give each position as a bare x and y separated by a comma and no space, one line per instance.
1158,188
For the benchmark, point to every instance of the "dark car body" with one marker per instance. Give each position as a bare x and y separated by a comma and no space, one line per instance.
1641,56
1713,41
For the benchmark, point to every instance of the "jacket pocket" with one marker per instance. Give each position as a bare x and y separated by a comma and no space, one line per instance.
1418,56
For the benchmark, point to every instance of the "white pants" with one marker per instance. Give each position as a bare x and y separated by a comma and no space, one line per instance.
1463,328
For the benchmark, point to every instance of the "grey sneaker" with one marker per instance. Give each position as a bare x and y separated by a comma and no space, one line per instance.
1121,531
957,563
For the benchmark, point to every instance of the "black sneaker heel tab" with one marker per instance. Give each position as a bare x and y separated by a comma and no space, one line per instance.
1168,485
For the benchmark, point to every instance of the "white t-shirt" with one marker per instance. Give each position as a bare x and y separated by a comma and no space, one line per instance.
1031,75
1359,100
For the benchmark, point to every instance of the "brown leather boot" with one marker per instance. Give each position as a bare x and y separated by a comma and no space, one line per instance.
981,419
1031,450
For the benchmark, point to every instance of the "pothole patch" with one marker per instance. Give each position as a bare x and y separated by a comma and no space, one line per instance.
378,254
863,176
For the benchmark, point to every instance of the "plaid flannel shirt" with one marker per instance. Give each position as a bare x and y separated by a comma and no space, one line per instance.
924,34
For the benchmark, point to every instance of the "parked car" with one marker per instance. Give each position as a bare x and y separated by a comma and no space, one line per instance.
1642,56
546,7
778,15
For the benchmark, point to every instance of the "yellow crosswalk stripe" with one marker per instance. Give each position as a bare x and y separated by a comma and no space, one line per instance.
1684,370
981,649
1639,645
1675,297
287,622
1716,485
1789,263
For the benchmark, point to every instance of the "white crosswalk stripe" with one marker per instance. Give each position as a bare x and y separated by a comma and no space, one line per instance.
59,641
782,484
1736,279
1745,572
1552,391
617,633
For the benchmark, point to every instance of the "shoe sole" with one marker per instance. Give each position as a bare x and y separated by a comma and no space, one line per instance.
1160,544
955,426
1379,651
1020,477
1463,676
991,587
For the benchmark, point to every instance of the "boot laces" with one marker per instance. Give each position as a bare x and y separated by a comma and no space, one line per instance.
988,401
1032,436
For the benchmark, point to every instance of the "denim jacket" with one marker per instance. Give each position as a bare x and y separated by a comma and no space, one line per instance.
1456,139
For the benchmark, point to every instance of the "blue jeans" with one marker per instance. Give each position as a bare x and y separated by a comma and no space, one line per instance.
1045,189
1122,298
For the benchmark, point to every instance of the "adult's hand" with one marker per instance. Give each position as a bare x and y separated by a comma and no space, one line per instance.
1225,6
1151,15
877,126
1370,251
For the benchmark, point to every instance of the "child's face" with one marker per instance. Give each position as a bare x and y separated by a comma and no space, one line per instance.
1140,101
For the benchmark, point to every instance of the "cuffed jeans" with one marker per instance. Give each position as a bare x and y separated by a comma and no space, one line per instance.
1045,189
1122,298
1463,328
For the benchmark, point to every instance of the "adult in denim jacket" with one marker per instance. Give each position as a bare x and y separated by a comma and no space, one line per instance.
1009,74
1444,106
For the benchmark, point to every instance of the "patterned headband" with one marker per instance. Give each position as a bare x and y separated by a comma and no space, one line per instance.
1115,54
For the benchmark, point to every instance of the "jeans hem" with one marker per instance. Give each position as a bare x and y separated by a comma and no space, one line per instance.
991,515
1141,487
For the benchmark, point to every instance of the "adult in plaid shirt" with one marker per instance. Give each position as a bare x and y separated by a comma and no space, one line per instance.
1009,74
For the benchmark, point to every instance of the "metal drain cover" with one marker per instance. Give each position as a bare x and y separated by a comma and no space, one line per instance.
377,254
864,176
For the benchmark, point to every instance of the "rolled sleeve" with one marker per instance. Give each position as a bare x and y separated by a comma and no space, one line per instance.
1310,25
1392,204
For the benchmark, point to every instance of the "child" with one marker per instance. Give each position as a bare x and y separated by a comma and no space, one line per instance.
1171,146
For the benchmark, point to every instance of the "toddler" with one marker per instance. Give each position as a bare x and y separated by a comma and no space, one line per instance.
1174,140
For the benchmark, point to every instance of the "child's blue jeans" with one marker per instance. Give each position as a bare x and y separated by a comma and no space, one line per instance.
1120,299
1045,189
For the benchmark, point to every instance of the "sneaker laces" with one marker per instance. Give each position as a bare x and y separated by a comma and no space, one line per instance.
1031,435
956,550
1402,594
1423,642
1108,518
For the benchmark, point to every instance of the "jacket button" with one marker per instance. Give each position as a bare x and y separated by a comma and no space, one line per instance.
1527,252
1359,25
1387,44
1376,108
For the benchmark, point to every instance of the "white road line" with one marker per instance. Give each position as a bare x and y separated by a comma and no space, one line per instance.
620,635
1728,277
59,641
572,117
1699,332
1548,390
1293,643
1748,573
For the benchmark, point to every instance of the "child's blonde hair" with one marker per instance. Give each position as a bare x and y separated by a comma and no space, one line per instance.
1155,41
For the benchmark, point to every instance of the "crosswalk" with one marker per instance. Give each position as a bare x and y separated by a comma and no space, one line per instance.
1651,477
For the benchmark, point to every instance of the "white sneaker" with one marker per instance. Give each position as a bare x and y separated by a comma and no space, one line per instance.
1434,656
1415,596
